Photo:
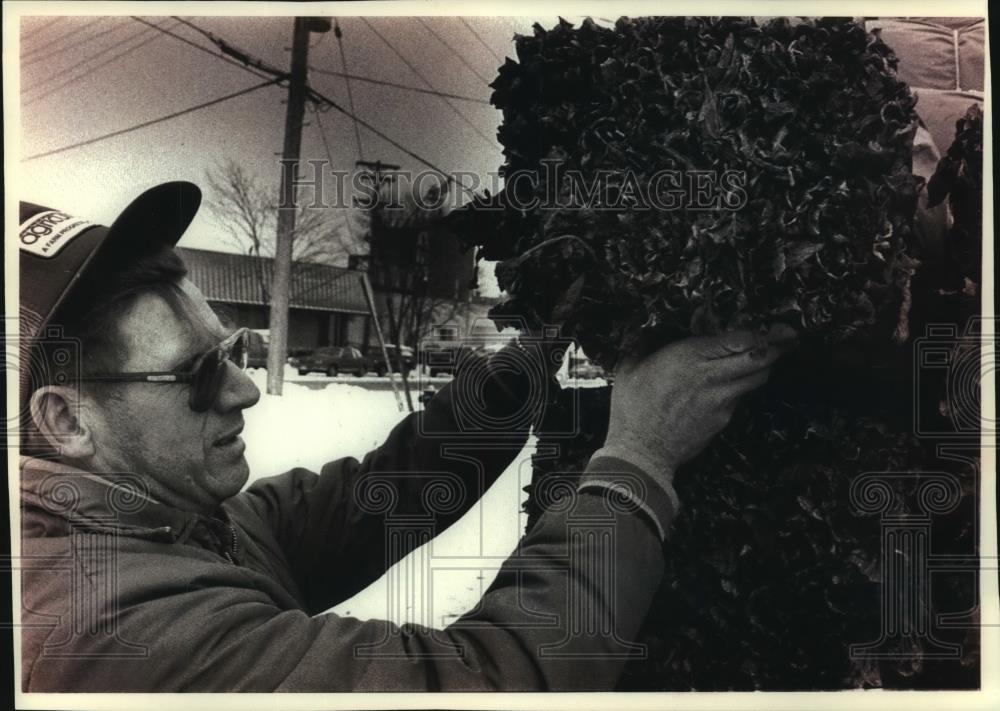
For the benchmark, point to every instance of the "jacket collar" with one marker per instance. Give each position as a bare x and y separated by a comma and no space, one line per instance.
109,501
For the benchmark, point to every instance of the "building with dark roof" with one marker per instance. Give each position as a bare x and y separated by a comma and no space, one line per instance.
327,303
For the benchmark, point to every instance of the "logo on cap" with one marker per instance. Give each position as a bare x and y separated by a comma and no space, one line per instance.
48,232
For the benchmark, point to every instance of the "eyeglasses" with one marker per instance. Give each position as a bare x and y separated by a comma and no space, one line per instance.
205,376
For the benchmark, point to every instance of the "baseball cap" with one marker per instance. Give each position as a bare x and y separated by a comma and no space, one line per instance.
59,252
58,249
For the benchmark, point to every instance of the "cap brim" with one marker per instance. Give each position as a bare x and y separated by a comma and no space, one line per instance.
158,217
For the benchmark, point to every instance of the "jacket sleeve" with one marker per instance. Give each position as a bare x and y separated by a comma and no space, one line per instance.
561,616
433,466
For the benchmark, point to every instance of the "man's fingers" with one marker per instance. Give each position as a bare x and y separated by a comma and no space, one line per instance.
743,340
743,364
727,356
727,344
782,333
762,353
741,386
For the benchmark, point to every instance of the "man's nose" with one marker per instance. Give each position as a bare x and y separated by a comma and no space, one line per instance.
238,391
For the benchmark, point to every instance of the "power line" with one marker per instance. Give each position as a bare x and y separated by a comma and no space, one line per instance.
233,51
40,28
317,43
274,71
202,48
350,94
416,71
329,158
152,122
208,35
481,40
406,87
454,51
49,53
90,70
47,46
82,62
315,96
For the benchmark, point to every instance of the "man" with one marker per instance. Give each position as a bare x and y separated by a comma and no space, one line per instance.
147,569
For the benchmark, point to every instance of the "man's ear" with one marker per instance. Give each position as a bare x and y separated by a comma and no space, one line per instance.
57,412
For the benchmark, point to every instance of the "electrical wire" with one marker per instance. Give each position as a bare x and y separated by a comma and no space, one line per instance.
48,45
317,43
322,134
202,48
481,40
208,35
454,51
232,50
81,63
90,70
314,96
394,85
40,28
329,158
56,52
350,94
317,96
152,122
343,75
416,71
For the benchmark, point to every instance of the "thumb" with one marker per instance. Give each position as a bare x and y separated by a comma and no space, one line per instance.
727,344
781,333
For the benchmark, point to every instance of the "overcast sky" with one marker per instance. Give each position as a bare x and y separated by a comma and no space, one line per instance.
82,77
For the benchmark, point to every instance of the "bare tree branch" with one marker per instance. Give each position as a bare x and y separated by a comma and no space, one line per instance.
248,210
400,266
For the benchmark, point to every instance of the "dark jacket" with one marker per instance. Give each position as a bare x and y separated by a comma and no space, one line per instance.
121,593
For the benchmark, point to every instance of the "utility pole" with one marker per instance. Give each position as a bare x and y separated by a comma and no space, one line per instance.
281,276
378,167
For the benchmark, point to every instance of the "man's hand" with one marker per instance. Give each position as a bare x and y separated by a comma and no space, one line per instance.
666,407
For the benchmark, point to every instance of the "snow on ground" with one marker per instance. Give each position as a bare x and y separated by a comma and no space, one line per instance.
319,419
314,422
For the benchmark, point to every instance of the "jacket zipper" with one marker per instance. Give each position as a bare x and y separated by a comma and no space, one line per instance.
230,554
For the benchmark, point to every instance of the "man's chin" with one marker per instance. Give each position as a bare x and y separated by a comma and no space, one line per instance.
227,477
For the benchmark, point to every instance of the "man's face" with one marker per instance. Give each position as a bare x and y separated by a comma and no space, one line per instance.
192,460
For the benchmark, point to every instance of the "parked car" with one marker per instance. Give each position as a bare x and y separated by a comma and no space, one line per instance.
444,357
374,353
332,360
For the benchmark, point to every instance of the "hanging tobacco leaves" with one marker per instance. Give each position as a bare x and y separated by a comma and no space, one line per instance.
673,176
